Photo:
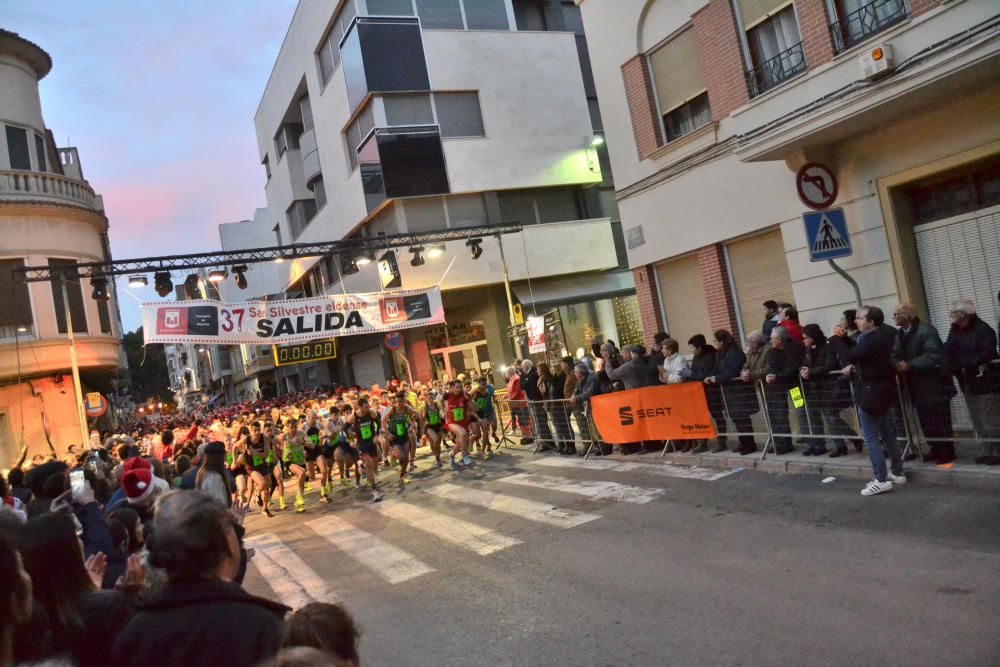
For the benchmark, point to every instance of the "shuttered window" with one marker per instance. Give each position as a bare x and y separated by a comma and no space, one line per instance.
677,71
683,300
754,11
759,271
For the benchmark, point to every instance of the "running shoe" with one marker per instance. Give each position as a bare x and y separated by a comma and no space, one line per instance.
344,482
413,466
376,497
308,487
300,504
267,512
487,456
404,481
260,500
281,503
324,499
467,461
454,466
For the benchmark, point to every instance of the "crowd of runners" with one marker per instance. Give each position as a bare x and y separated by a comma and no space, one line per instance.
340,437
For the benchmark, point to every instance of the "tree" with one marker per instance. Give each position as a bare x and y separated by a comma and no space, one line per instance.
147,366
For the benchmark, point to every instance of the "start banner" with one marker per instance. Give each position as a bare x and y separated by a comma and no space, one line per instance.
667,412
292,320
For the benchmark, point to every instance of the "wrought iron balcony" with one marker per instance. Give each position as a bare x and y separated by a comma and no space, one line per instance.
773,71
866,21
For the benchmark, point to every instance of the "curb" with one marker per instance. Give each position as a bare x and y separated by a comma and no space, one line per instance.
971,479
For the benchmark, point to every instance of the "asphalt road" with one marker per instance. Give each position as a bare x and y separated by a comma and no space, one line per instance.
614,563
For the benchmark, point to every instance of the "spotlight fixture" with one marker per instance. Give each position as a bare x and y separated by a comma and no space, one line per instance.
475,248
347,265
217,275
191,286
239,275
22,329
280,259
435,251
598,140
363,259
162,283
137,281
100,286
417,259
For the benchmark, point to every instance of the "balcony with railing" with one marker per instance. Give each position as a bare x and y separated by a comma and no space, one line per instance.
776,70
17,185
867,20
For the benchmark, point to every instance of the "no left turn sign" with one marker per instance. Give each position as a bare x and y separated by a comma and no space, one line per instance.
817,186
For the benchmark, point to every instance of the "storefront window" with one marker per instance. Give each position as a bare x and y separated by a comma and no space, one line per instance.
589,322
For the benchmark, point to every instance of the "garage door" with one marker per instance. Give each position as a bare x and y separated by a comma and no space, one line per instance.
760,272
683,299
960,259
367,367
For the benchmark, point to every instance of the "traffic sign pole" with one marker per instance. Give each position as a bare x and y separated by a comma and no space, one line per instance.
846,276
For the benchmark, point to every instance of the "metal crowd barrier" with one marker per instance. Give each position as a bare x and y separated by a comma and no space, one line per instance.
778,416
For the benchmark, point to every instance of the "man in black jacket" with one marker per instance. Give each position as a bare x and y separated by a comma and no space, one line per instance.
201,617
929,385
972,354
781,373
539,418
871,370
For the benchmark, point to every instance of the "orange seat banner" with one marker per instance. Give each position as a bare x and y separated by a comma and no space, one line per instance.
667,412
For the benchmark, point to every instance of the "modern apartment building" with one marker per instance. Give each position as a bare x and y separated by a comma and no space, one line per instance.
711,106
388,116
49,215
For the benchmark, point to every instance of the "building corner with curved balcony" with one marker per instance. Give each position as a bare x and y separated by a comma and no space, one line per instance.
49,215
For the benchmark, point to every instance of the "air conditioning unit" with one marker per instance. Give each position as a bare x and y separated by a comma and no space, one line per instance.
877,62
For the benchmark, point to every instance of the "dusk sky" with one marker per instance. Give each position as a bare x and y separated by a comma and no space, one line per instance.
159,97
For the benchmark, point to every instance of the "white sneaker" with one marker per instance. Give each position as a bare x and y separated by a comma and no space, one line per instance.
897,479
876,487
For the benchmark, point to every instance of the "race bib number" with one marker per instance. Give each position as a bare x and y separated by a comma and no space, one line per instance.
433,418
458,414
480,403
796,395
258,460
400,429
366,432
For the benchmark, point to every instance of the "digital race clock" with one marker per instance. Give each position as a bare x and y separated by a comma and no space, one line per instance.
298,353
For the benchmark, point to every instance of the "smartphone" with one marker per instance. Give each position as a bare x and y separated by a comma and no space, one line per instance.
76,483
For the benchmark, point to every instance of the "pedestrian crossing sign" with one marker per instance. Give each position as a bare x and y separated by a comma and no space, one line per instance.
827,235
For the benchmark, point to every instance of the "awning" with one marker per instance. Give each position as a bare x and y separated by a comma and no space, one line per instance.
574,289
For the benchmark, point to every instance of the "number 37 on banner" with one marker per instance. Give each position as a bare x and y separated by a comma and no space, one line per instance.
231,320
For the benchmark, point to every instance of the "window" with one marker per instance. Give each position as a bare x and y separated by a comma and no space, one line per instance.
357,132
40,152
280,142
459,114
408,110
479,14
75,293
277,234
529,15
687,117
530,207
104,316
300,213
383,55
678,80
486,15
329,48
859,19
17,148
319,190
267,167
15,303
445,14
390,8
956,193
466,210
425,214
775,51
307,115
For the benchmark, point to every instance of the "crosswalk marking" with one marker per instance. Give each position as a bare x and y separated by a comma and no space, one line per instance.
467,535
526,509
599,490
288,575
665,470
387,561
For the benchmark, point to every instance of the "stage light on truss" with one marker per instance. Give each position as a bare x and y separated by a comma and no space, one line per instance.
348,266
137,281
417,260
217,275
475,248
240,276
100,292
435,250
162,283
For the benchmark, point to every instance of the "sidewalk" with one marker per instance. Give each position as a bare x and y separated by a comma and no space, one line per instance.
962,472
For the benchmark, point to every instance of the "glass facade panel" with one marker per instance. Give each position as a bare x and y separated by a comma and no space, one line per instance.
390,8
440,14
371,173
412,163
384,56
486,14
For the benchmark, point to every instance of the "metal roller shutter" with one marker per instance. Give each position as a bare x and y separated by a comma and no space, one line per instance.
760,272
755,11
677,71
960,259
684,300
366,367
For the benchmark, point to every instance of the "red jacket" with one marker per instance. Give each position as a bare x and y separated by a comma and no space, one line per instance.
794,329
514,391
